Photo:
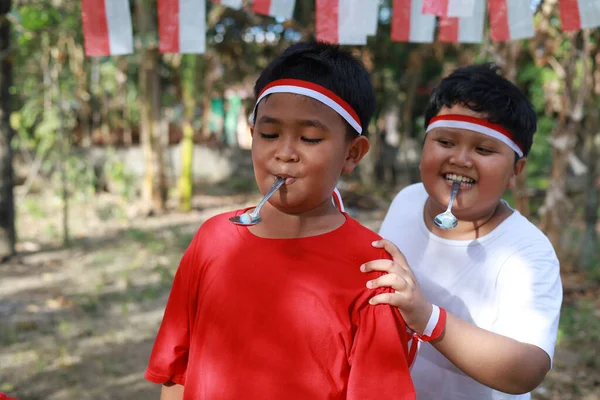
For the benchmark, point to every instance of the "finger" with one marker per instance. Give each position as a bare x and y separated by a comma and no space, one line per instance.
388,266
396,254
394,281
393,299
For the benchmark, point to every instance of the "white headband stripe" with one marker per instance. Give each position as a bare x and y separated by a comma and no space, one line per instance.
315,95
476,128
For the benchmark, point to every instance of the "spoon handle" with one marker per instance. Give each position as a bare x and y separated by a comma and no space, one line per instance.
276,185
455,187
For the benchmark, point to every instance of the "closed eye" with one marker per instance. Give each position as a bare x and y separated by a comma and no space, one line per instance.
268,136
484,150
312,141
445,142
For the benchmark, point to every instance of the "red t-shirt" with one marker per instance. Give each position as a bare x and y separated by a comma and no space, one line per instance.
255,318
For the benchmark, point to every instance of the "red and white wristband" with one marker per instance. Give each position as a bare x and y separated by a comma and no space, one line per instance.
435,326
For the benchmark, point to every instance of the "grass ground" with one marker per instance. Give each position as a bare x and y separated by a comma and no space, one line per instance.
79,322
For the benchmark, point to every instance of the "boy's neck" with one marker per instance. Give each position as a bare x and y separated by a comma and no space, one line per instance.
468,230
277,224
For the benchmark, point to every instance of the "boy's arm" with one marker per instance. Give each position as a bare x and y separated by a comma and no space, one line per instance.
492,359
378,365
169,358
174,392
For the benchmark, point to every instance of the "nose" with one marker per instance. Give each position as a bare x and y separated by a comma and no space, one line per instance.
461,157
286,151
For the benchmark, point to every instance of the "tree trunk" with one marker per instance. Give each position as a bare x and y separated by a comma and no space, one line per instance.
159,138
79,71
154,189
125,110
414,79
7,206
367,167
63,138
509,53
589,254
207,93
563,139
146,131
189,86
95,99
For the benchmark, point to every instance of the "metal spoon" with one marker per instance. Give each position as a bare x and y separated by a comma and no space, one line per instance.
253,218
447,220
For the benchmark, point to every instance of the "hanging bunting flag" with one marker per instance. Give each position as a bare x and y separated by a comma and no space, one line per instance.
370,12
107,27
275,8
235,4
464,30
579,14
342,21
510,19
182,26
409,24
449,8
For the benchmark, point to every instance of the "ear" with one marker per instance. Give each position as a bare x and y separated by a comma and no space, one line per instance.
252,131
357,149
517,169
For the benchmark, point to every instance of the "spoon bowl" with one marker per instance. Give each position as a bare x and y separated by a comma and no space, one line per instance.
253,218
447,220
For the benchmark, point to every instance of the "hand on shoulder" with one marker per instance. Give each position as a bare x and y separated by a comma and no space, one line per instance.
407,297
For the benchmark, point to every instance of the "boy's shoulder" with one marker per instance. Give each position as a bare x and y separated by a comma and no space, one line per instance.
521,240
412,192
218,225
525,232
360,231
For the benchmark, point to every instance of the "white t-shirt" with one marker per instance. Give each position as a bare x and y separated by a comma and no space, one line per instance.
507,281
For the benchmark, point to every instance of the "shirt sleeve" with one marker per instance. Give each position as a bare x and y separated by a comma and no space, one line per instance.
378,365
530,297
378,359
169,357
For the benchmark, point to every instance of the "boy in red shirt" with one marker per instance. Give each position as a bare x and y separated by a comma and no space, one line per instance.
278,310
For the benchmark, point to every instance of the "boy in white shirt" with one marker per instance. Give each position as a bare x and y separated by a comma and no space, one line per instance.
486,295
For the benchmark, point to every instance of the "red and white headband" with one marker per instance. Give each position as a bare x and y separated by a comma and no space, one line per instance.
477,125
316,92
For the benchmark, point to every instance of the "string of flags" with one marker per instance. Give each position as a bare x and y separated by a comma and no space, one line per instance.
107,24
107,27
346,21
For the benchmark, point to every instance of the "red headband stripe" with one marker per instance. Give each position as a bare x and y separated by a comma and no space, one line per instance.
316,92
479,125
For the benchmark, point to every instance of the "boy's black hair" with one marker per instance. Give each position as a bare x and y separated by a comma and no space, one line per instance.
483,90
330,66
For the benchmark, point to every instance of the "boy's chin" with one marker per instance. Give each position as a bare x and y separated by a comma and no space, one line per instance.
293,206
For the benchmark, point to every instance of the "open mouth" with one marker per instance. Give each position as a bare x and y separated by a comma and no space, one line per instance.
465,182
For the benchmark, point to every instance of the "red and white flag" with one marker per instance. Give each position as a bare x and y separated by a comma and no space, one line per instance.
409,24
510,19
107,27
275,8
346,21
579,14
182,26
465,29
235,4
370,12
449,8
